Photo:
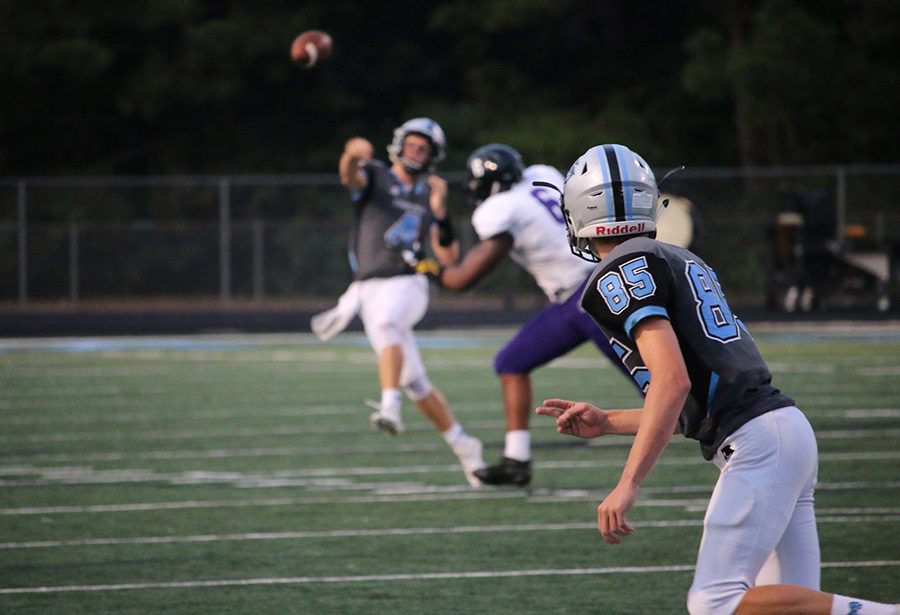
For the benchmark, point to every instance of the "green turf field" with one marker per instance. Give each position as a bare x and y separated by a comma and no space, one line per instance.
239,474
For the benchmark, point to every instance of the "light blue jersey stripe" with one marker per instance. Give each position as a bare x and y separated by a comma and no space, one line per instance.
713,384
639,315
626,178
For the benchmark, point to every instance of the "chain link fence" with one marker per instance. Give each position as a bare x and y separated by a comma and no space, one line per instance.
283,237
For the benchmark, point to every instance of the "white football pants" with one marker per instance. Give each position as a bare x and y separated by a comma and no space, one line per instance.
760,526
389,309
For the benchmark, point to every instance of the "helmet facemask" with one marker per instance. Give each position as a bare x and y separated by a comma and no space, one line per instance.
427,128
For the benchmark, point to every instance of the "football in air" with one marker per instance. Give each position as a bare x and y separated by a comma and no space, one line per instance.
310,48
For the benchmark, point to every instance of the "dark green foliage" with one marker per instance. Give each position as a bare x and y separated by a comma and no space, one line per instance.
206,87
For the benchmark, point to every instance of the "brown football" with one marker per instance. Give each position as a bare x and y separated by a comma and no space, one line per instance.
310,48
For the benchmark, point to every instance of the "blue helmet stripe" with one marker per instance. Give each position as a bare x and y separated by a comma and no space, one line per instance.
607,194
626,181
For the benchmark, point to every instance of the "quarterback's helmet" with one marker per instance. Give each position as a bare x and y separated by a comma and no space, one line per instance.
493,168
610,191
429,129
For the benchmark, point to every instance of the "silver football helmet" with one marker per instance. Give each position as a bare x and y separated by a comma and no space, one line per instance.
610,191
429,129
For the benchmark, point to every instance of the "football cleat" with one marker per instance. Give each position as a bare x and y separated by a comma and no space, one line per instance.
507,472
383,422
387,425
468,451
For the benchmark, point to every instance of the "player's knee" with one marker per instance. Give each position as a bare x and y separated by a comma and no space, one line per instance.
508,362
709,601
388,333
418,388
699,602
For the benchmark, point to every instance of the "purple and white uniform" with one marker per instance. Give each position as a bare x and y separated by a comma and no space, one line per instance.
532,216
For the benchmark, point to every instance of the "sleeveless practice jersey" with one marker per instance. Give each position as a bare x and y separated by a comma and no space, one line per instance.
531,214
730,382
388,218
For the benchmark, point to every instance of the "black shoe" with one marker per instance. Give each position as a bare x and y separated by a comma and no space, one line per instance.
507,472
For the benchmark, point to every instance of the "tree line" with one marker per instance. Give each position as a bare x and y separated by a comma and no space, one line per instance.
192,86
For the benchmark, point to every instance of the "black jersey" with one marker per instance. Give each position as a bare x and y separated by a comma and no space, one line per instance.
389,217
730,382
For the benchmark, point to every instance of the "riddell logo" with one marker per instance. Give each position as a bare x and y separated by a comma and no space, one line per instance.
620,229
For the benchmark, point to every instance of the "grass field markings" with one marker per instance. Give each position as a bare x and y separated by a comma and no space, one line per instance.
852,434
828,368
87,475
427,494
858,413
84,475
23,460
399,577
261,502
316,534
289,411
355,427
187,434
279,451
848,516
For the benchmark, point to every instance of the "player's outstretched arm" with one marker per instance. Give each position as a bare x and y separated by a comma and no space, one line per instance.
582,420
357,150
576,418
480,260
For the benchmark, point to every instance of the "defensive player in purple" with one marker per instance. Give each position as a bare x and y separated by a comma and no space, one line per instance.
397,208
515,217
662,308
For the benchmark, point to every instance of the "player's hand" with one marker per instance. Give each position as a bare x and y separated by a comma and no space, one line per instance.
576,418
611,513
430,267
438,201
359,148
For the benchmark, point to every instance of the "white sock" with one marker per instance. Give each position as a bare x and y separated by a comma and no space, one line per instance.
453,435
518,445
391,401
843,605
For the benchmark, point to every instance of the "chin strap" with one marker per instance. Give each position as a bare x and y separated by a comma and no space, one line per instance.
665,202
546,185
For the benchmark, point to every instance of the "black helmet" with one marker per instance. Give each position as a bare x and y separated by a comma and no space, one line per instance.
493,168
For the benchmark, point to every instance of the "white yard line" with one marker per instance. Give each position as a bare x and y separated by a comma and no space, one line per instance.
95,435
861,515
386,578
293,451
330,428
394,493
86,475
